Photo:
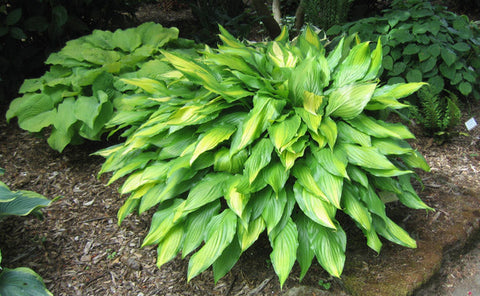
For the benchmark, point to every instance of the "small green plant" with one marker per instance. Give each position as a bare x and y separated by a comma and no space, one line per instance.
425,42
437,114
80,92
111,254
21,280
324,284
265,137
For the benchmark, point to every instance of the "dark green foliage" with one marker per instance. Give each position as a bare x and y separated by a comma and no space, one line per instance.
31,29
326,13
437,113
425,42
231,14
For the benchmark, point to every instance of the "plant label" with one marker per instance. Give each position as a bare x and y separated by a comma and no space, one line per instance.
471,124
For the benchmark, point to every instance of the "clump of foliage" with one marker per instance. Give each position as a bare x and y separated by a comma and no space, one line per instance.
326,13
436,113
30,30
21,280
77,96
272,137
425,42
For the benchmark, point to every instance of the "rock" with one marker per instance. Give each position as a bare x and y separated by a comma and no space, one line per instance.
305,291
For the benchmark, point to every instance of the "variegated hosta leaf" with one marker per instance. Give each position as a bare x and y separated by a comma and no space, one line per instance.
284,247
220,233
349,101
329,246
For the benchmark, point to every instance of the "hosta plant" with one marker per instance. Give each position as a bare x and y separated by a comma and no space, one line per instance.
425,42
272,137
20,280
77,96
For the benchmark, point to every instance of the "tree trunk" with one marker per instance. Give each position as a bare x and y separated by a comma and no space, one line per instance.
264,13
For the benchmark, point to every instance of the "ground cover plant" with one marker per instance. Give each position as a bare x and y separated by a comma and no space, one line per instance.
20,280
77,96
425,42
231,142
276,137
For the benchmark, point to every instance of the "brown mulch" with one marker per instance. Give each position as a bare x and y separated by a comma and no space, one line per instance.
79,249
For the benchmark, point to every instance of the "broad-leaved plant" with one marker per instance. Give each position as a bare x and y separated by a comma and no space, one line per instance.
77,96
272,137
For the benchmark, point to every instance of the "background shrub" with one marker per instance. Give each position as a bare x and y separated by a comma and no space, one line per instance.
425,42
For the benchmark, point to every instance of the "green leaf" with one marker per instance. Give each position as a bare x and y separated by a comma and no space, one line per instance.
356,209
209,189
408,196
394,233
448,56
305,253
349,101
13,17
274,208
355,65
331,161
461,46
276,176
329,183
465,88
169,247
22,281
220,233
211,139
349,134
20,203
411,49
329,246
380,129
162,222
284,252
414,75
328,129
127,40
196,226
259,158
246,237
367,157
305,178
59,16
265,110
227,260
314,207
281,133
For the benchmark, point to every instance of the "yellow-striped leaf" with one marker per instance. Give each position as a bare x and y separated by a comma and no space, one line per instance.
314,207
284,131
211,139
355,65
259,158
247,236
284,252
355,209
329,246
169,247
349,101
220,233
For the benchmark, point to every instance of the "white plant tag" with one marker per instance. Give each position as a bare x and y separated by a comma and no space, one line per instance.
471,124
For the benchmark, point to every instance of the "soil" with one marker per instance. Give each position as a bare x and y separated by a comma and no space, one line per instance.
79,249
